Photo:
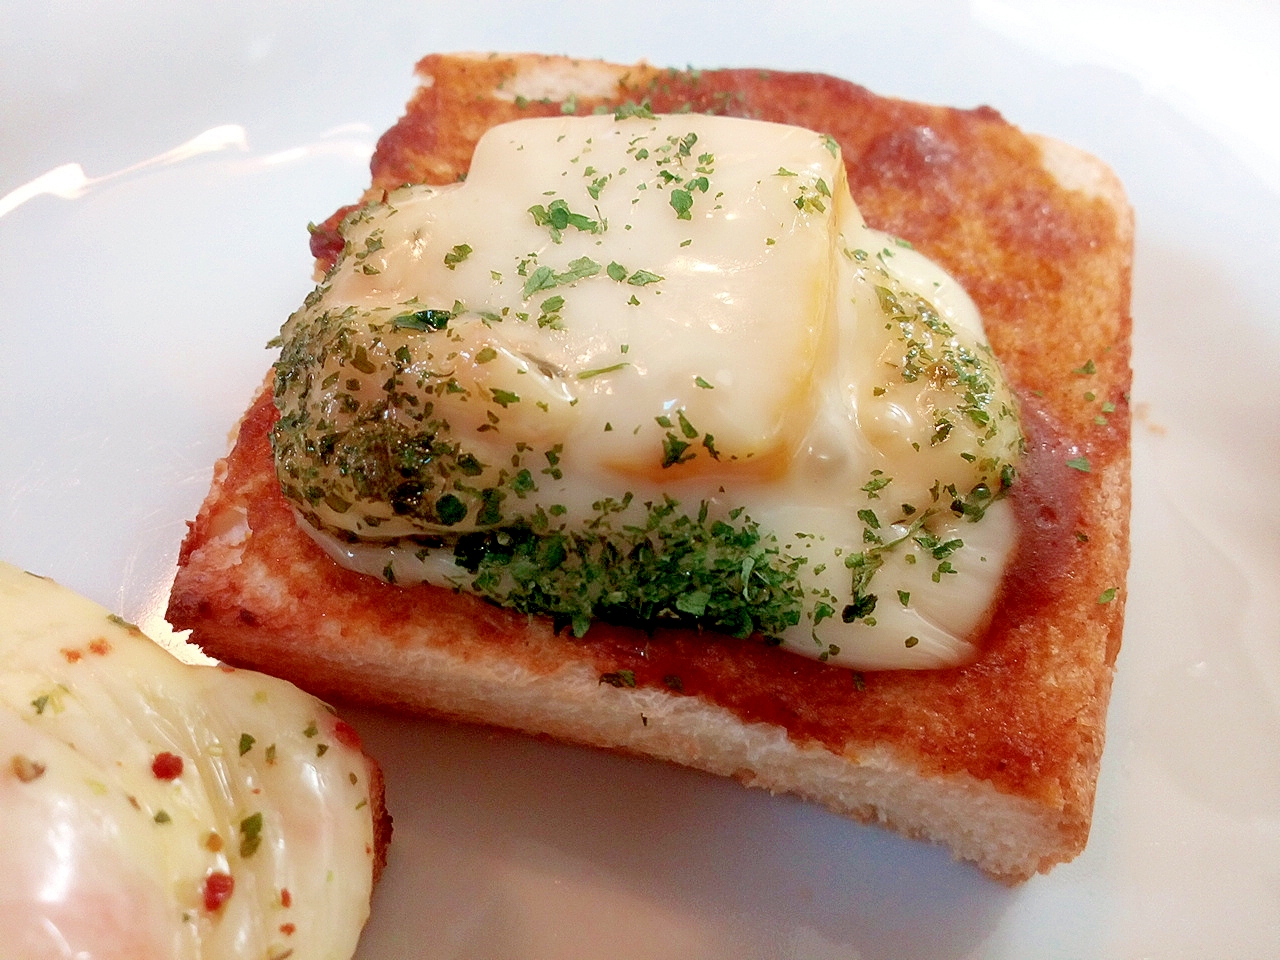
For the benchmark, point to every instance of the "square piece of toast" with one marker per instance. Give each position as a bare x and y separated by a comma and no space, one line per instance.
998,759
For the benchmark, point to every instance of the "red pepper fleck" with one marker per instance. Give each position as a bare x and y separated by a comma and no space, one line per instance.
72,655
100,647
286,898
218,888
26,769
346,735
326,241
167,766
287,929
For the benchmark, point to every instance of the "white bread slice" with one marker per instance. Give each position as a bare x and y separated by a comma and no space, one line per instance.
997,760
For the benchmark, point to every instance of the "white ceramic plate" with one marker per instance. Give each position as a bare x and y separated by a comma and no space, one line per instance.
135,304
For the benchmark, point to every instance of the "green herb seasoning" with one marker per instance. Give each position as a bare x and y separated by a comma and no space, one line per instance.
458,254
557,217
250,835
639,564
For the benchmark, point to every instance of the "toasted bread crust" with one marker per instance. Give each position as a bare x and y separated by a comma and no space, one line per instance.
998,759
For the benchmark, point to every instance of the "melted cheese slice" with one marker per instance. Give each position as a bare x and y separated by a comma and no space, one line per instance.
735,296
621,311
104,859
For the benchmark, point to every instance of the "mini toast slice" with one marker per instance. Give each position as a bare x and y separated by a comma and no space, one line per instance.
998,760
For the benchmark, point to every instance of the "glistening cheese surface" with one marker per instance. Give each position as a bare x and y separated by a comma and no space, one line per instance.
156,809
656,369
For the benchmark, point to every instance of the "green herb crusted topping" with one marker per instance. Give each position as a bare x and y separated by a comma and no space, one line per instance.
929,355
363,450
668,567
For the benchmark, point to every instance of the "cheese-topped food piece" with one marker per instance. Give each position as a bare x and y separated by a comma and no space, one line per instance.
656,369
155,808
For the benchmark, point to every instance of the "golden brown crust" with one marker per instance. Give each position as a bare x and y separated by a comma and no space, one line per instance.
381,819
1049,267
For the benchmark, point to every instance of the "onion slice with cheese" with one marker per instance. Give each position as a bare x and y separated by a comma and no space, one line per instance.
160,809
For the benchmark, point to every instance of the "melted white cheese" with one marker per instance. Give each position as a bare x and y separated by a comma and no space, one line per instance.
104,860
617,285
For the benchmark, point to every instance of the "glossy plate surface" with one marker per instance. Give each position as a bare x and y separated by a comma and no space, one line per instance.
138,289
